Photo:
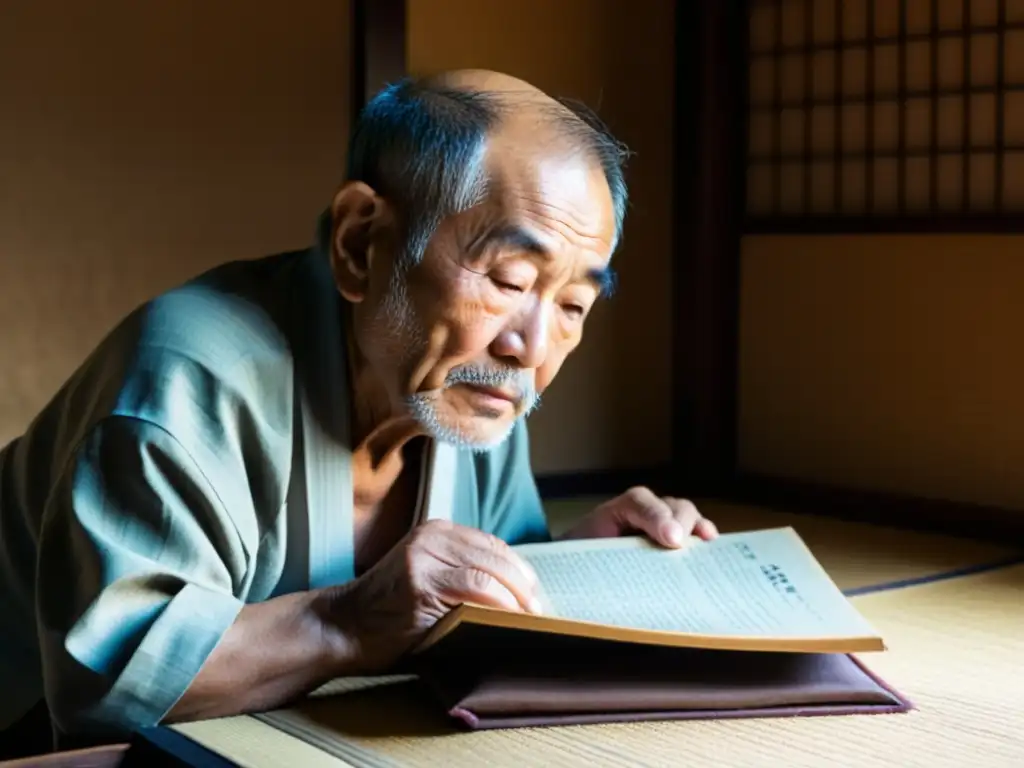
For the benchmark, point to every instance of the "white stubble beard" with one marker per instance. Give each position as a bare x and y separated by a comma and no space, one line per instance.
403,330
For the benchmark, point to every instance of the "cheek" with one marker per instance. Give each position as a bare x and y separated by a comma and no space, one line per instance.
454,294
468,339
552,365
481,303
472,314
463,332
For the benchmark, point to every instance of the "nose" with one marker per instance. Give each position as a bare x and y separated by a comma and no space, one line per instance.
523,342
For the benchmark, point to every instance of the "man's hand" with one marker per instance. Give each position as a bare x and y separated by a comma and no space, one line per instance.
283,648
665,520
389,609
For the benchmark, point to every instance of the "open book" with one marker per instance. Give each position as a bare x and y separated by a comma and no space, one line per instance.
754,591
746,625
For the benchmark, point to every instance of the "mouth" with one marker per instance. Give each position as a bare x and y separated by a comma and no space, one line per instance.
492,396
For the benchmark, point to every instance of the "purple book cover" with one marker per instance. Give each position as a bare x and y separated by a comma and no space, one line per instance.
575,682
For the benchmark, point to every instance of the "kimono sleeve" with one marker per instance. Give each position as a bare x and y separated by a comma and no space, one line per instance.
510,506
139,575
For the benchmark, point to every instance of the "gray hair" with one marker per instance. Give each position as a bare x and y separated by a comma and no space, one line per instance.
421,146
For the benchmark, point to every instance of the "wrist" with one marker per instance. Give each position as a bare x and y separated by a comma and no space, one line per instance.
335,613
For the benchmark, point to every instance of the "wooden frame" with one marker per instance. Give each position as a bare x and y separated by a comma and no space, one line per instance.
959,87
379,38
982,224
710,122
711,70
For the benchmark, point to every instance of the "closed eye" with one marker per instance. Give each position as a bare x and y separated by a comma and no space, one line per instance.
507,286
573,310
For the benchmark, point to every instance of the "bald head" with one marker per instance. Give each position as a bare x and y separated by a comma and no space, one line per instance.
525,114
429,146
481,80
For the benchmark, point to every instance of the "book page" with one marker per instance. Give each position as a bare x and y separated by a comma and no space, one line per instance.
751,584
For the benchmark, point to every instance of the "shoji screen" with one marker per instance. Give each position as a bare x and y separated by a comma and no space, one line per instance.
884,108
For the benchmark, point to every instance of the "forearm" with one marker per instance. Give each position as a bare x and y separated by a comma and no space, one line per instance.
274,652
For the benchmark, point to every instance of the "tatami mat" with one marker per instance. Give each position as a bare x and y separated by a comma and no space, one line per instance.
856,555
956,649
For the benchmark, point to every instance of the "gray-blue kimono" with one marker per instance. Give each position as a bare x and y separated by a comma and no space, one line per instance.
198,461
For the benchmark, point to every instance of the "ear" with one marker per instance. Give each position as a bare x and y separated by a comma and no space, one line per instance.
358,216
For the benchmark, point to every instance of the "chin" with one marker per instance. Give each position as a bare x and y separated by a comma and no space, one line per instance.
479,437
476,433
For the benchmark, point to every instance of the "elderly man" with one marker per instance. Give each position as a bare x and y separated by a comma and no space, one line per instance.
287,469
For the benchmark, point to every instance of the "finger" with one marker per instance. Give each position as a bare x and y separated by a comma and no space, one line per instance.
645,512
705,529
444,531
691,520
503,571
458,585
481,554
686,514
477,539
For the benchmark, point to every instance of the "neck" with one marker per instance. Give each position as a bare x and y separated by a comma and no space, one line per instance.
380,432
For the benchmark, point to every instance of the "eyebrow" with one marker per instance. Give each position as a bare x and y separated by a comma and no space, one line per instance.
515,237
605,279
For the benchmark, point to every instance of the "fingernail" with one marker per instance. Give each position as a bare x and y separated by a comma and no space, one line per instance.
535,606
675,534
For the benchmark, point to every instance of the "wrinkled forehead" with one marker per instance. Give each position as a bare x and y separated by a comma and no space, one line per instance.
552,184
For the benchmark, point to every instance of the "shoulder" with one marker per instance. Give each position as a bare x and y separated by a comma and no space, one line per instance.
208,362
231,314
218,343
